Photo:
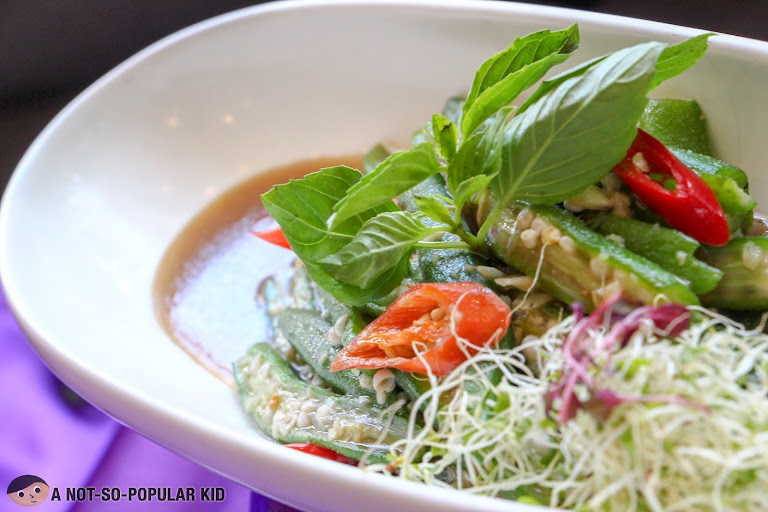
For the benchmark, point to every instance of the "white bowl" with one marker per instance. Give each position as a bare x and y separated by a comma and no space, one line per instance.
110,182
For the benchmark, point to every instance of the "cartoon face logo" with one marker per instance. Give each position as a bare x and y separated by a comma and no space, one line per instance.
28,490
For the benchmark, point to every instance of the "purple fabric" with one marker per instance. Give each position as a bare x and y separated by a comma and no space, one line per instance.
47,431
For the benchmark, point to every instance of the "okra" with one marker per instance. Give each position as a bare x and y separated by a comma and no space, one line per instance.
538,320
736,203
308,333
669,248
574,263
289,410
744,262
729,184
313,338
704,164
677,123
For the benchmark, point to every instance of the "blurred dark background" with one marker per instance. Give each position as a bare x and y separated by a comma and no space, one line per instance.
51,50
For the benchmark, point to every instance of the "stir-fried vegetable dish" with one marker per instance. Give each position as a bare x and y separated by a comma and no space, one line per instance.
541,299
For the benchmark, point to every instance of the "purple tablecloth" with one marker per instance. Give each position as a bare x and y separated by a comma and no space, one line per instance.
47,431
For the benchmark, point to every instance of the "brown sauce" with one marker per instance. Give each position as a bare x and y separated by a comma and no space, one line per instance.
204,290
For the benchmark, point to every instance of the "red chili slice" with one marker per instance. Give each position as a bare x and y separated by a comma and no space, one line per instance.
322,451
273,236
689,205
428,318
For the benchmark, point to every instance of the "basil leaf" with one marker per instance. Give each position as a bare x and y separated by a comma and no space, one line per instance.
480,154
374,157
380,248
470,187
687,51
446,136
302,208
555,81
398,173
435,209
453,108
504,76
677,58
577,132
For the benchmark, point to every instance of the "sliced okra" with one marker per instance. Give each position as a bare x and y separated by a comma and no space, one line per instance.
318,342
704,164
669,248
289,410
577,264
538,320
728,183
744,262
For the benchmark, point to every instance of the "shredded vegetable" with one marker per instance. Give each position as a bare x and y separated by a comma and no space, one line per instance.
709,452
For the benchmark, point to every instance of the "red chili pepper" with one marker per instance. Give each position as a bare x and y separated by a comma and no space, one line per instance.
273,236
689,205
321,451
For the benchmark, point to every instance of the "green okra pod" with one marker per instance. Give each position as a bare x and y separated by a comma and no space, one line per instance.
728,183
668,248
574,263
318,342
744,263
289,410
704,164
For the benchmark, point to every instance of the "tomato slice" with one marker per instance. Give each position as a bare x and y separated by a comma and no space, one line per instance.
428,318
322,451
273,236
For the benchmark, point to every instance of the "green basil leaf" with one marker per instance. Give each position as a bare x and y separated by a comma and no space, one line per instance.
380,248
677,58
446,136
435,208
504,76
302,208
374,157
555,81
398,173
576,132
480,154
452,109
470,187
